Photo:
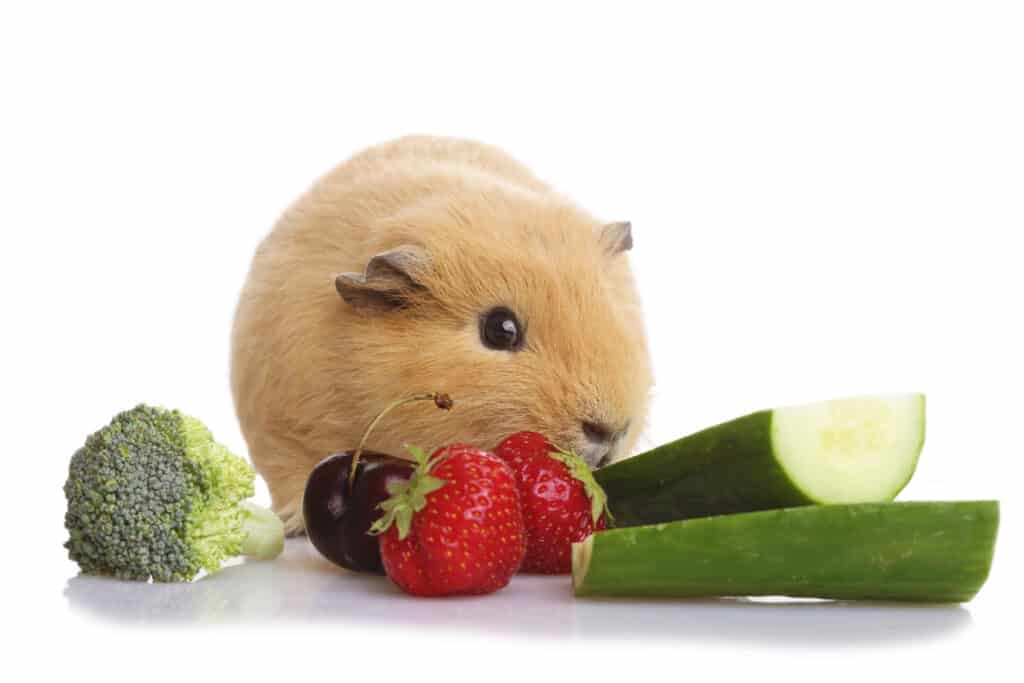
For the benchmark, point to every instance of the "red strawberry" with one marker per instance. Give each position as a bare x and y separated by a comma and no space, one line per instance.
455,527
562,503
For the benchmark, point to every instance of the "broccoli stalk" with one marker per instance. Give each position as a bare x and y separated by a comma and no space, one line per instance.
153,496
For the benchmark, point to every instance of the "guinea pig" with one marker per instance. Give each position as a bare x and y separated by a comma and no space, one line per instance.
435,264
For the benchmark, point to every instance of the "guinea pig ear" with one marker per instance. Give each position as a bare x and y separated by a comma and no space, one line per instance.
617,237
387,282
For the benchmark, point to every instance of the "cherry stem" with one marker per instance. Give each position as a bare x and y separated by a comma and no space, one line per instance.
442,401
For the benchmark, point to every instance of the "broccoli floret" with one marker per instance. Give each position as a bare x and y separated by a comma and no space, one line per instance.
153,495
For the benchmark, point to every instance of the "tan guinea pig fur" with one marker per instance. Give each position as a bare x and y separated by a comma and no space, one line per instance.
376,283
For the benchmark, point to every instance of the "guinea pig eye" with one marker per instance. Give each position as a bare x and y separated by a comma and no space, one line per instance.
500,329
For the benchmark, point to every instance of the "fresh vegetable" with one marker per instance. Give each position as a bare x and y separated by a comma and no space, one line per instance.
851,450
930,552
455,527
561,501
343,493
153,496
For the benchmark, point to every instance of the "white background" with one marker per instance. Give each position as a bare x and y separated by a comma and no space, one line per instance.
826,200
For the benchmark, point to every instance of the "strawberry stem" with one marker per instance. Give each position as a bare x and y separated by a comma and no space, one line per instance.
410,496
442,401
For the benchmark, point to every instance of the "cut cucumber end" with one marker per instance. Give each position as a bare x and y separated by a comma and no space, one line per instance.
850,450
581,553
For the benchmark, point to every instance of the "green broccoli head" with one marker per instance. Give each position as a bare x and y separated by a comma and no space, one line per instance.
153,495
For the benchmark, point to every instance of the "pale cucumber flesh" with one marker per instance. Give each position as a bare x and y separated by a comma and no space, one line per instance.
850,450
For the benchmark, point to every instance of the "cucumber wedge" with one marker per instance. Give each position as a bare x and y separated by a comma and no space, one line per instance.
850,450
925,552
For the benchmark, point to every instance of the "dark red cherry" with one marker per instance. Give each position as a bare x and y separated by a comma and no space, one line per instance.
337,517
339,512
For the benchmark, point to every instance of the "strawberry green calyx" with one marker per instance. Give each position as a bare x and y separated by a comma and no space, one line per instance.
408,497
579,470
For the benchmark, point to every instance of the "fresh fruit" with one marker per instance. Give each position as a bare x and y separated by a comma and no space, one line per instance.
343,493
561,501
851,450
455,527
928,552
337,520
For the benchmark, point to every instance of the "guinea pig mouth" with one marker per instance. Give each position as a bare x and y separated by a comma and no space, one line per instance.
596,455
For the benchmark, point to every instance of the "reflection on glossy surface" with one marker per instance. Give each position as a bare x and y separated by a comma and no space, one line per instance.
302,586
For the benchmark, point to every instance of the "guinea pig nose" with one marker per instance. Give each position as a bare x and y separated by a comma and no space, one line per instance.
597,432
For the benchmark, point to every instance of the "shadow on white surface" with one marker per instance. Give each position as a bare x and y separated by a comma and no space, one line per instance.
302,587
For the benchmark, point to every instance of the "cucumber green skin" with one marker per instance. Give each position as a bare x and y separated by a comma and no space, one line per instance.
915,551
724,469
